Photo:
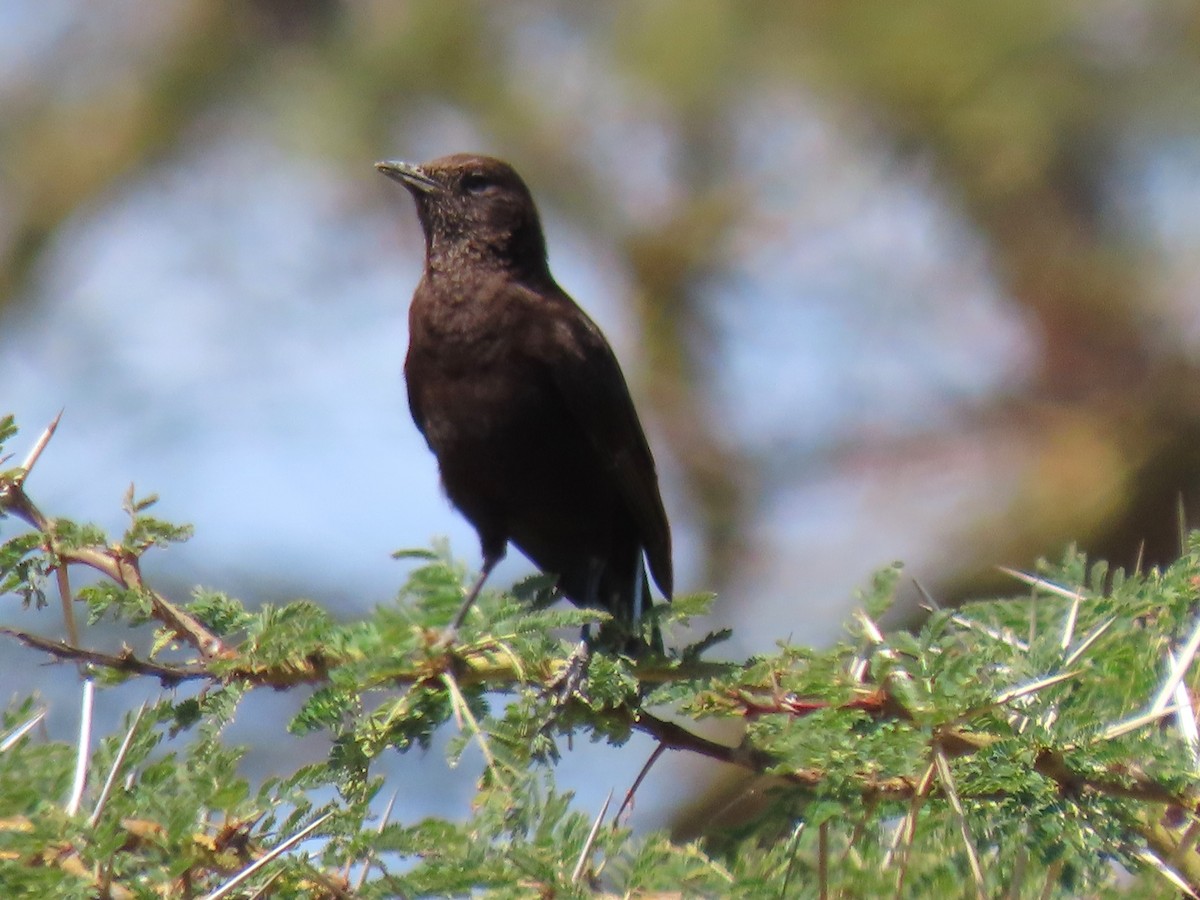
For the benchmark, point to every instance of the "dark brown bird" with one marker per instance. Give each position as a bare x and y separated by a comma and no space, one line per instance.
521,398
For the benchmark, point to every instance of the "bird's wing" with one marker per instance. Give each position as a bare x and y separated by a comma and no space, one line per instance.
584,369
414,401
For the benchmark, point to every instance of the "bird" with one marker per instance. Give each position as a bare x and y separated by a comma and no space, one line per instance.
523,402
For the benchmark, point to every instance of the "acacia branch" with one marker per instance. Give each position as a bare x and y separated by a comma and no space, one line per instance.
117,563
125,661
482,669
1051,764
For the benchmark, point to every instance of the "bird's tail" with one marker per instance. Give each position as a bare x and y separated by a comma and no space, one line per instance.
628,603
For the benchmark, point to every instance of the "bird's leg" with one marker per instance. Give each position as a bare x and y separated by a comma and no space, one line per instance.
489,563
573,678
591,595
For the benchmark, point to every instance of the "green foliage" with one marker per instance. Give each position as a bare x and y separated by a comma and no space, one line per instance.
1018,741
22,569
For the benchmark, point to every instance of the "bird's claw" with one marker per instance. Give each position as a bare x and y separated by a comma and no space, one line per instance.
444,639
571,682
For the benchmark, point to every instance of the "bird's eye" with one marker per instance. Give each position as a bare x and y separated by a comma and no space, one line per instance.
476,182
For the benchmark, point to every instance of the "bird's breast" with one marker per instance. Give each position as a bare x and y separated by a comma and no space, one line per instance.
472,379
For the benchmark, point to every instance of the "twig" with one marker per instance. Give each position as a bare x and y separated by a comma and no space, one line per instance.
63,581
1020,865
460,704
906,831
823,860
1052,875
118,564
169,676
795,842
266,886
1048,763
675,737
1187,841
659,750
947,779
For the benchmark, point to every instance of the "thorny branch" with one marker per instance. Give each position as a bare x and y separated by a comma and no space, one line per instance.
125,661
475,667
474,670
115,562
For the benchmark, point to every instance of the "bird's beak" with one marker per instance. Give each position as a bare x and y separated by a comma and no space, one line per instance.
409,175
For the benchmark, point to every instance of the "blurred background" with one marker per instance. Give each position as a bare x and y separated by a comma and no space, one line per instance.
889,282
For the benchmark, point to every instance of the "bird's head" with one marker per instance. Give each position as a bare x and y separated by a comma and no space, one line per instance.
473,207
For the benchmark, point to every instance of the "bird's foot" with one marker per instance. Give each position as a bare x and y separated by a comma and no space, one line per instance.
572,680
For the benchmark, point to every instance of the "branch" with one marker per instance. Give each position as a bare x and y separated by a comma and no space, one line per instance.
118,563
125,661
954,742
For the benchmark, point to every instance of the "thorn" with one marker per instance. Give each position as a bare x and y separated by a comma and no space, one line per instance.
1032,687
1048,586
279,850
116,767
1069,625
591,840
1012,640
1179,668
1090,638
795,842
1185,717
947,780
21,730
85,741
1147,718
1166,872
906,831
869,626
38,446
366,867
930,603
